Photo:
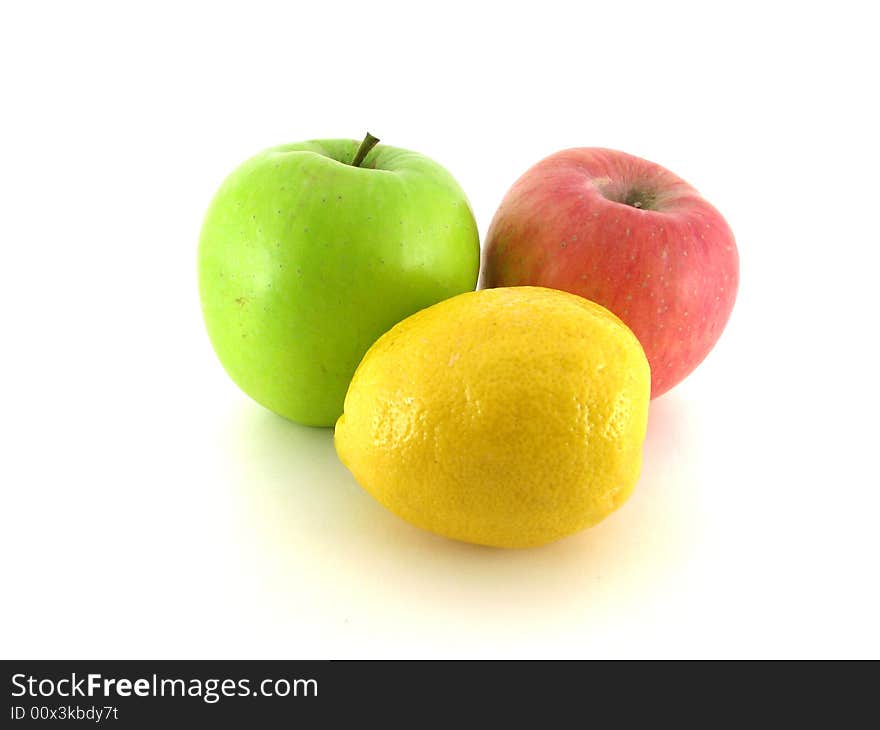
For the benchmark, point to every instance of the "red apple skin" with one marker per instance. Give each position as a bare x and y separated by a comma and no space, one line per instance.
669,269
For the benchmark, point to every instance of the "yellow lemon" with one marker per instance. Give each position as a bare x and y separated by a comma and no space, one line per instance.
508,417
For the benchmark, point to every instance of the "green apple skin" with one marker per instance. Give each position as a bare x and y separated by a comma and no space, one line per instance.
304,261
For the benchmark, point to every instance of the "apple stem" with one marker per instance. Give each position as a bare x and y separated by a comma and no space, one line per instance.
369,142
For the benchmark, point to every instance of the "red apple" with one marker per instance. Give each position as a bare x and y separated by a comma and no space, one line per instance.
629,235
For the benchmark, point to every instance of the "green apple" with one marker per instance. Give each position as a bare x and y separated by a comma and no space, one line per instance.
310,251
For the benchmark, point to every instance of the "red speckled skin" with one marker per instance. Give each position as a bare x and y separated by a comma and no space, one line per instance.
670,273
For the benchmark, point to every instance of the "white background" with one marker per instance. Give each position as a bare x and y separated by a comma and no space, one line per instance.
149,509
